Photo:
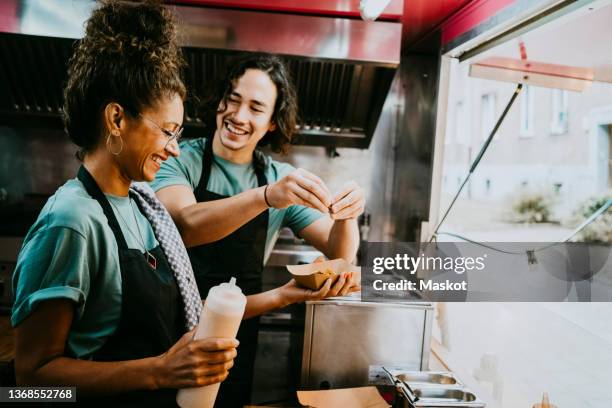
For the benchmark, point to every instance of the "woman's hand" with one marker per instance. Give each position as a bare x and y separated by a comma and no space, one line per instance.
194,363
292,293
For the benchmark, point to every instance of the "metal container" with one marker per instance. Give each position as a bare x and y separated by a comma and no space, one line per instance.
438,397
343,337
429,389
445,397
426,377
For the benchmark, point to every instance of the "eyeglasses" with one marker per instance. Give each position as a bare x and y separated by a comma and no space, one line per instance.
171,136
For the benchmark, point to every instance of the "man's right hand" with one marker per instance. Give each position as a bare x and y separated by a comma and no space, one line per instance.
195,363
291,292
302,188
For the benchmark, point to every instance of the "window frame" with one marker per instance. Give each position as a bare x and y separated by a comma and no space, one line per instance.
559,127
488,114
527,112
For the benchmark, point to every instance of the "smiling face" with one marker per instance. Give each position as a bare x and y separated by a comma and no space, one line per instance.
146,146
248,115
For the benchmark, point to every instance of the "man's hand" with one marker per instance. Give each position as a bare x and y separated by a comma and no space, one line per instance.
300,187
292,293
348,203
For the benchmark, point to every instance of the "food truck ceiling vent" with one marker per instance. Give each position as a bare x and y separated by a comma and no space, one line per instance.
342,68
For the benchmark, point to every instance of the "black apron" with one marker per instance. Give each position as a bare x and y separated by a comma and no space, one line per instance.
152,318
240,254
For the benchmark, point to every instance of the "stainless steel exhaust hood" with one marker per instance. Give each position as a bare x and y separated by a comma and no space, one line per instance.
342,68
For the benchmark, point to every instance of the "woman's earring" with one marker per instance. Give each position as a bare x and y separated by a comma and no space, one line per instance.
109,143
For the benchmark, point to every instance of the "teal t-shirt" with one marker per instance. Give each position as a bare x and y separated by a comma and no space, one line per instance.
228,179
71,253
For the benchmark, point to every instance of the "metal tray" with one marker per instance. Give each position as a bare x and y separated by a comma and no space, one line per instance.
432,389
436,396
427,377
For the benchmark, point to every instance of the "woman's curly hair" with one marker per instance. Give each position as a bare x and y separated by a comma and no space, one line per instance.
129,55
285,114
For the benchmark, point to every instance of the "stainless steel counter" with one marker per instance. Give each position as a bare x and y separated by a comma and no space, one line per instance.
343,337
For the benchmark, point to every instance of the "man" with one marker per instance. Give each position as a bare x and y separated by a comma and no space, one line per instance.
229,200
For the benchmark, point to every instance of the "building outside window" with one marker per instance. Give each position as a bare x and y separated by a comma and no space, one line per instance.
568,177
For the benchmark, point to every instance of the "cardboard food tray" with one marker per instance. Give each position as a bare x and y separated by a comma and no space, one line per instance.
314,275
361,397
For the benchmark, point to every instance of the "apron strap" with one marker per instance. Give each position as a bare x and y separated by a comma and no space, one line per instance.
259,164
207,160
94,191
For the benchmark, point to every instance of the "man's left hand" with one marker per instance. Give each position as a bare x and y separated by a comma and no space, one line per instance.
348,203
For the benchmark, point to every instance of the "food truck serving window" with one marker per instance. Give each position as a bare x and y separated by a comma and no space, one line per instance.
546,171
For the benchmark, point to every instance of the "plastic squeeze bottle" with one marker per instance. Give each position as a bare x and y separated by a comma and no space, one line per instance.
221,317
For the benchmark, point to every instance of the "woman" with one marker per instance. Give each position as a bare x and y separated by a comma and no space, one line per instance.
229,201
99,304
